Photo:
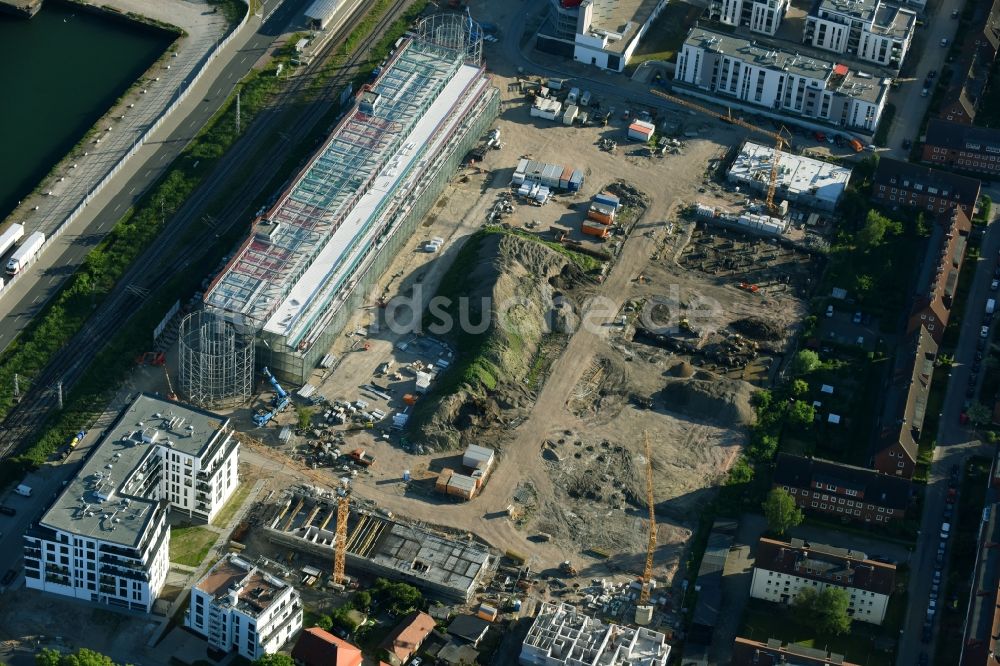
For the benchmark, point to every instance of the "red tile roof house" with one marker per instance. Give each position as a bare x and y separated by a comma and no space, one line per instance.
406,639
317,647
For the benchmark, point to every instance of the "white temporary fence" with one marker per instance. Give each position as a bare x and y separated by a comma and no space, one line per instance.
179,96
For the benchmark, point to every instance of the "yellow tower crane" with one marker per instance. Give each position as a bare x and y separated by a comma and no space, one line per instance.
780,142
643,611
340,540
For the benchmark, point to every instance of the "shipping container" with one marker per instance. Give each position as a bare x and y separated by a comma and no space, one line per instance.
518,178
640,130
598,216
460,485
487,612
603,208
594,229
564,178
441,485
549,109
570,114
551,174
477,457
608,199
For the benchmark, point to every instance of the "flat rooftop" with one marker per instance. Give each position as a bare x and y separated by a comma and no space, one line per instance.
797,175
235,582
863,84
308,245
862,9
894,21
103,500
621,17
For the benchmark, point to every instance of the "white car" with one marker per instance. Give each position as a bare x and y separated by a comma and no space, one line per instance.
984,332
994,285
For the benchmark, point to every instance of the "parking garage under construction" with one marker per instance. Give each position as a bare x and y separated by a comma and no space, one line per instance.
313,256
376,544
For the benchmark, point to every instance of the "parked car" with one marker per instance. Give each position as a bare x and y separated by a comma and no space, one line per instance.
927,633
7,510
907,144
984,332
954,13
944,42
925,92
994,285
829,311
857,317
931,74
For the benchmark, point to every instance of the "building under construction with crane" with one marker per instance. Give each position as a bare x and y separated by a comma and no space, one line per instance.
800,180
313,256
379,545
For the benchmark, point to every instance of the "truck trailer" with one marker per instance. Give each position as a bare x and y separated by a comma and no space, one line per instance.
24,254
8,238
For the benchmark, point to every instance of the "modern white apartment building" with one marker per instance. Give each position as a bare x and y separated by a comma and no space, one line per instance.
766,79
105,538
868,30
782,570
561,634
238,606
763,16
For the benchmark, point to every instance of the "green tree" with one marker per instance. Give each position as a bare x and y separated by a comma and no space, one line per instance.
763,446
362,600
276,659
324,622
863,284
781,511
400,598
341,619
801,414
85,657
824,610
872,233
304,415
805,362
799,387
47,657
979,414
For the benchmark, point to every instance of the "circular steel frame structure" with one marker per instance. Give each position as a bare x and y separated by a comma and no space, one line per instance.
216,360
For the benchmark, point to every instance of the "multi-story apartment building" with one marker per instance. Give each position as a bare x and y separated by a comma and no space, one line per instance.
603,33
868,30
782,570
842,491
979,44
238,606
931,191
766,79
939,273
897,440
763,16
774,652
962,147
105,538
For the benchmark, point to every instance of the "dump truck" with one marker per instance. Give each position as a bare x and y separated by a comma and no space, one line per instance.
362,457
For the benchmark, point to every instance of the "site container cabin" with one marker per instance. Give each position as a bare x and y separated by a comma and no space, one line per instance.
608,199
460,485
594,229
640,130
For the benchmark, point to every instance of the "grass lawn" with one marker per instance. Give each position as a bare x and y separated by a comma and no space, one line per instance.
665,36
190,545
764,620
233,505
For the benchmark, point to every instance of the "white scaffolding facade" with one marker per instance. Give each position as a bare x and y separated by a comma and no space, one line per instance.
350,209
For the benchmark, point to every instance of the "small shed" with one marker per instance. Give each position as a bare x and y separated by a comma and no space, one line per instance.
469,628
423,382
833,418
826,388
640,130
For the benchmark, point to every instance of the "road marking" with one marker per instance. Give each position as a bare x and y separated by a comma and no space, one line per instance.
54,278
163,157
132,190
118,208
244,59
37,298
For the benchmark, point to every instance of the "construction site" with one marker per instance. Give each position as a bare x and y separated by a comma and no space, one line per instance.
608,380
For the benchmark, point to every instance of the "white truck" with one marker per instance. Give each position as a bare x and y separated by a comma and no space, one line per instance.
8,238
573,95
23,255
23,490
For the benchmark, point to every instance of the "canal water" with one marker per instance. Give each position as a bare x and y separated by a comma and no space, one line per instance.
59,72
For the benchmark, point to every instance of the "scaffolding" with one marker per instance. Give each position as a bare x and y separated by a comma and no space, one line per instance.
216,360
454,34
333,232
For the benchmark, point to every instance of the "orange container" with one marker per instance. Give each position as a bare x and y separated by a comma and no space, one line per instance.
409,399
598,216
594,229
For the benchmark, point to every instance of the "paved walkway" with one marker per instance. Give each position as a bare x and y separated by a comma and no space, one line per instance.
131,117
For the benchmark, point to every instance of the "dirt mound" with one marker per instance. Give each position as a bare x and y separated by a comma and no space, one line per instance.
756,329
682,370
506,280
723,401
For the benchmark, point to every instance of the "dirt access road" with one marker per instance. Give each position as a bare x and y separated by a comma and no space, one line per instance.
486,516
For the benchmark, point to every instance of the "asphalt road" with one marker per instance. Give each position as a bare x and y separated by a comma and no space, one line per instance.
955,444
910,105
54,267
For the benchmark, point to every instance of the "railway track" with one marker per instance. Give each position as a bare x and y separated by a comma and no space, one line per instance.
26,419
